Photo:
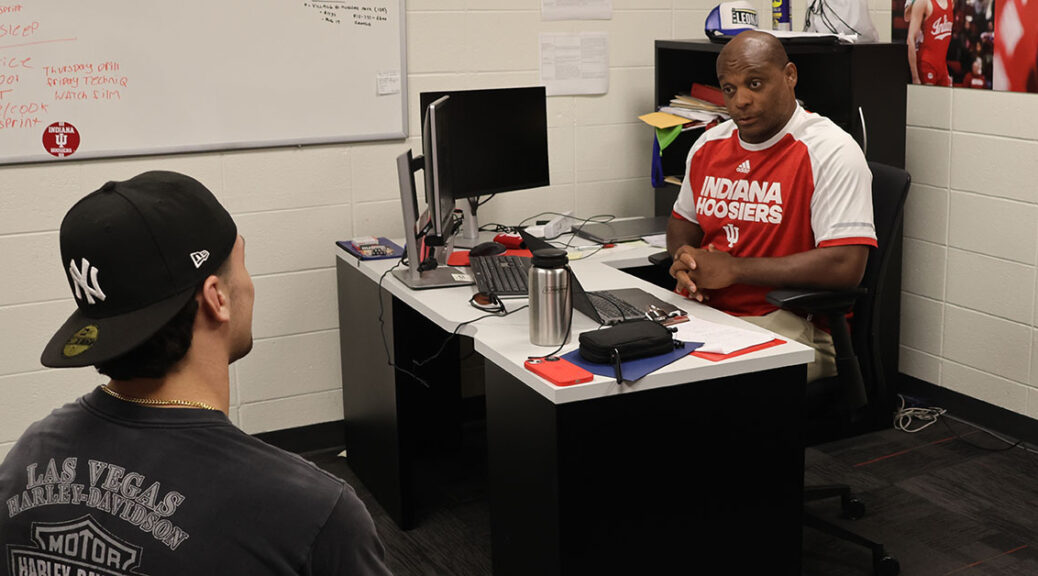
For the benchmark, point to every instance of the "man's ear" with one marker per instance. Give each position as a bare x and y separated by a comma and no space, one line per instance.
790,72
213,299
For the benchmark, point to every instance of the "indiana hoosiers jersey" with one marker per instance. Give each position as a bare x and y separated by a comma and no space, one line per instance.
808,186
933,51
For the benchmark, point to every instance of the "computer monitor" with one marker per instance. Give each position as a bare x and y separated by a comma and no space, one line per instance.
495,140
439,186
429,235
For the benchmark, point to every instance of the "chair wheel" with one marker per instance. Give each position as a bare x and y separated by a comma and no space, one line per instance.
888,566
852,508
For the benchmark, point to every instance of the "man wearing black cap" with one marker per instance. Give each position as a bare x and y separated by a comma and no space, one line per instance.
146,474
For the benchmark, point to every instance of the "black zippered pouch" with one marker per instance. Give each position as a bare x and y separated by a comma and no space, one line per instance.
626,341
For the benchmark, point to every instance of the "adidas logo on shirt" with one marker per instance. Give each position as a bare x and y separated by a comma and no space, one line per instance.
744,168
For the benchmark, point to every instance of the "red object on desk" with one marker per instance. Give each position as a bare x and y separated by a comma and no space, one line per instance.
461,257
509,240
558,371
715,356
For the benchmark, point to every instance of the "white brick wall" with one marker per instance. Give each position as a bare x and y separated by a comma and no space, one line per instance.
971,225
293,203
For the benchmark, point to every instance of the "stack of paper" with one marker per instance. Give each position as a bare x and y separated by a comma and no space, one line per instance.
700,116
719,338
691,103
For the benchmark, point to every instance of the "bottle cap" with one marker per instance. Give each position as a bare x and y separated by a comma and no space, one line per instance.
550,258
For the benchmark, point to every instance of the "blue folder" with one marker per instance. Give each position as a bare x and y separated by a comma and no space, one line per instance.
632,369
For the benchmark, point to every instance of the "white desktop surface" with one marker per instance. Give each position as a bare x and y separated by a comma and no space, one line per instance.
505,341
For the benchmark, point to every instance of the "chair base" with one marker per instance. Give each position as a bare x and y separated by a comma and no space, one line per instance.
882,563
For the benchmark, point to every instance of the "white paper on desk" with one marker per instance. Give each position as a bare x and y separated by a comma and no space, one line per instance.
576,9
718,338
657,240
575,63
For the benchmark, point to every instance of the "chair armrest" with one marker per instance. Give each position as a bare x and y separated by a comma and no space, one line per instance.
813,301
661,259
834,306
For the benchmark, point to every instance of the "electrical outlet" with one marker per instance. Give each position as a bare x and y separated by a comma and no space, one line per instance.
558,225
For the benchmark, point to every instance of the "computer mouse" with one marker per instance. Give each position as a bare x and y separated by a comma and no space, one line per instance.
487,249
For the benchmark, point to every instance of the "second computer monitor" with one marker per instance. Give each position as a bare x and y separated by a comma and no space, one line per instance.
438,152
497,141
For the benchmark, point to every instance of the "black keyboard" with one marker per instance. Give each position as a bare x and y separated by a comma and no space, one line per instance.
502,275
611,308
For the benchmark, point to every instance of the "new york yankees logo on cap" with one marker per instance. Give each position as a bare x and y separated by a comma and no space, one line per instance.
81,283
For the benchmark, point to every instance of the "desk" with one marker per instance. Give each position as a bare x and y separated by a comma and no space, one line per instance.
695,464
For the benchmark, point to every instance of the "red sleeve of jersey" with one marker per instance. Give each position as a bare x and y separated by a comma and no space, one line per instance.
849,242
678,216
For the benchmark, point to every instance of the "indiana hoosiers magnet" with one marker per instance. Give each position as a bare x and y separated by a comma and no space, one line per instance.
60,139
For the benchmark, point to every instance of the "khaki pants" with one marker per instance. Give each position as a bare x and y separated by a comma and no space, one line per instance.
793,327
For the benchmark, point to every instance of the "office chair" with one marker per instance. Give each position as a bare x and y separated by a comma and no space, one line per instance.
860,398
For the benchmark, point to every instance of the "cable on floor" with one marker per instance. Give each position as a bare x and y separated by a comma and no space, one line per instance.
913,419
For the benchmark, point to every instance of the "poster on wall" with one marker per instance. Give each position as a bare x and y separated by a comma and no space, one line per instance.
980,44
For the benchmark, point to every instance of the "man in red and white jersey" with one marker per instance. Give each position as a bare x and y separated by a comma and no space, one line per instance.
774,197
932,22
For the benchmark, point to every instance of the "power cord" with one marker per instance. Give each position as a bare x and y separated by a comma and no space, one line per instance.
382,327
914,419
905,417
502,313
1009,444
598,218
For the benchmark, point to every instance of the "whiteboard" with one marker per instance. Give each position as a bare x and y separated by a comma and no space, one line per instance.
104,78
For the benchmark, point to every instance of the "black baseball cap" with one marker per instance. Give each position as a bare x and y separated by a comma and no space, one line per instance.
134,253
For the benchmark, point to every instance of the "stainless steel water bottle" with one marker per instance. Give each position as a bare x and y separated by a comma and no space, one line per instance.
551,302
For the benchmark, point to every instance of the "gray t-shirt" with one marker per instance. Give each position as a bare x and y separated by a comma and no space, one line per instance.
107,487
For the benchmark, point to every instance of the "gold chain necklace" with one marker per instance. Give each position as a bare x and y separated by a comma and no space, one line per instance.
153,402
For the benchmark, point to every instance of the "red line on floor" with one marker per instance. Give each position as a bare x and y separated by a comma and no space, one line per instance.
906,451
979,562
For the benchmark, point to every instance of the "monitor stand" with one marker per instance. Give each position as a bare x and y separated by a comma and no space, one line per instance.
441,277
470,235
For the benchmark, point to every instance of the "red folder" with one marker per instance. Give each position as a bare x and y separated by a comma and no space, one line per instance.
711,94
461,257
714,356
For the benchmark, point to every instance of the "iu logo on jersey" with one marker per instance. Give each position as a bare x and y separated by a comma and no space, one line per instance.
731,232
82,284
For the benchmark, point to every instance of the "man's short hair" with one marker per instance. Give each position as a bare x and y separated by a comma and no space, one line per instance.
155,356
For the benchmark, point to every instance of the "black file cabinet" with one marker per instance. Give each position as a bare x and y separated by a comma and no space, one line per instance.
860,87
